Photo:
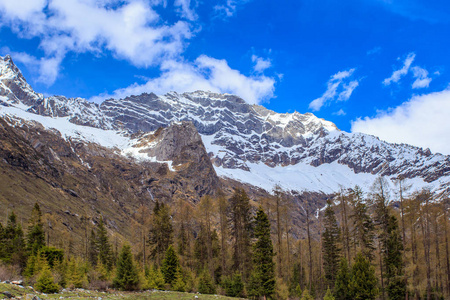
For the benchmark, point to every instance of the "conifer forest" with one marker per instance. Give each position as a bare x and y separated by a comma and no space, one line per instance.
368,246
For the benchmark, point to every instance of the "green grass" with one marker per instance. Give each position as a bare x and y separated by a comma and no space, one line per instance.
85,294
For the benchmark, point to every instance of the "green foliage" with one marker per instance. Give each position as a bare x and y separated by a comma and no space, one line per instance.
396,287
364,283
45,282
233,286
329,295
155,279
161,231
206,284
170,265
306,295
35,264
36,234
178,283
76,275
13,243
342,283
52,255
105,254
262,279
127,276
331,249
297,281
363,227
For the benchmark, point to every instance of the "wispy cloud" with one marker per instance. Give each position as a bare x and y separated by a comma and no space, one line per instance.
422,79
398,74
421,121
229,7
420,74
339,88
261,64
205,73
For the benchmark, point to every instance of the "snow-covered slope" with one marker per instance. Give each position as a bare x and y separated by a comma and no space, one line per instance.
245,142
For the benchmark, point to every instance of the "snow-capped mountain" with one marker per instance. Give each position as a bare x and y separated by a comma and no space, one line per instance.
245,142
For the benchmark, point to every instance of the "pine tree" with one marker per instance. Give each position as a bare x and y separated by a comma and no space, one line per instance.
178,283
329,295
262,282
36,234
127,276
14,248
306,295
105,254
170,265
233,286
363,284
161,232
363,227
155,279
342,284
396,287
331,250
45,282
241,231
206,284
93,249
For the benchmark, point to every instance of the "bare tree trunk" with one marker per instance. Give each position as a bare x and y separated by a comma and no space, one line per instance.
279,254
381,269
438,257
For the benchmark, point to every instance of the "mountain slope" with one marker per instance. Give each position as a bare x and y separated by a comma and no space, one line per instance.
245,142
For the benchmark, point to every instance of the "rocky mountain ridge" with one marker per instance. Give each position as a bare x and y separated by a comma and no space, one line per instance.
245,142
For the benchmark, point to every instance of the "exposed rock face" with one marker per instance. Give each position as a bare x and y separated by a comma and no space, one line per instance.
235,134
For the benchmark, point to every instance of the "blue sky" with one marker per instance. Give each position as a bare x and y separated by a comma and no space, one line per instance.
375,66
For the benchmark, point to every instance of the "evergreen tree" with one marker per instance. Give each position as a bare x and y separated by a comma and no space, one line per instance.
155,279
262,282
329,295
170,266
127,276
241,231
105,254
206,284
342,284
233,286
2,241
363,284
297,280
178,283
45,282
36,234
161,232
363,227
396,287
14,250
330,247
306,295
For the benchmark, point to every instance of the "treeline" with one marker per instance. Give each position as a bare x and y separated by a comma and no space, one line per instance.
366,247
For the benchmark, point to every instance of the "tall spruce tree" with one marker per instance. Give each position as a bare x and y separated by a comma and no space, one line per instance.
363,227
170,265
364,283
127,276
395,273
342,284
14,248
262,279
36,234
161,232
241,231
105,253
330,245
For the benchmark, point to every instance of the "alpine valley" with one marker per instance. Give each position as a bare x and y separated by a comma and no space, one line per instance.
80,160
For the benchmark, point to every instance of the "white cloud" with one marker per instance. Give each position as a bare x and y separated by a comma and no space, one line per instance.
340,112
398,74
186,10
205,73
261,64
331,94
131,29
421,121
422,79
229,7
